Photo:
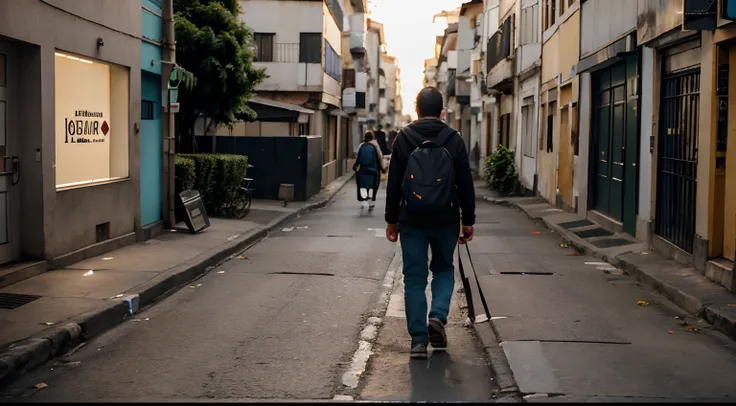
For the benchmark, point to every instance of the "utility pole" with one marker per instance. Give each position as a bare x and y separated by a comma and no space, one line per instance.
168,126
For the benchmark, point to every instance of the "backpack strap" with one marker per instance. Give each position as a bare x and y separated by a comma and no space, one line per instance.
442,139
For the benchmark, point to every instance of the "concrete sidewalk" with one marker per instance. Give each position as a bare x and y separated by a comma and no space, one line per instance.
575,328
84,299
685,286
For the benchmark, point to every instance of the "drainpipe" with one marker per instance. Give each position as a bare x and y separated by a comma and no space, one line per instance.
168,126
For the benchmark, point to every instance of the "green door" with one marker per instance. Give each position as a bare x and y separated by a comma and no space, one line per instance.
614,146
600,147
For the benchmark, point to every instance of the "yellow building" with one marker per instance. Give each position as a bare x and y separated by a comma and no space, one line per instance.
559,96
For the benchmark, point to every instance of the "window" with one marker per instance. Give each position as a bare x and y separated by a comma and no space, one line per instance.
574,135
264,47
333,62
329,142
529,31
310,48
528,132
504,127
147,110
382,93
91,110
550,125
549,13
562,8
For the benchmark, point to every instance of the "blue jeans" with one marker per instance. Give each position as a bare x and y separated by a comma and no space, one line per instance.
414,245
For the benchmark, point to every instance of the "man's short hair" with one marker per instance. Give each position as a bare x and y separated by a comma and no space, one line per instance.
379,127
429,102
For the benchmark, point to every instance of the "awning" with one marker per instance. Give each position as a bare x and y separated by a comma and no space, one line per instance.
273,111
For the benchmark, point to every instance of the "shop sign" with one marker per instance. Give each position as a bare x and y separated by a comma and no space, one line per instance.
85,127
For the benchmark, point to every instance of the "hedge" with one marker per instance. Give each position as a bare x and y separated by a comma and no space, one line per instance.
217,178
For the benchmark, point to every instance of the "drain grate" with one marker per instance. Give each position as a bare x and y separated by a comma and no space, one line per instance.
527,273
576,224
594,232
303,273
12,301
612,242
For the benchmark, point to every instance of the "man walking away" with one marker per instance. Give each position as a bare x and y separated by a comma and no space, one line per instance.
391,136
381,138
367,165
429,185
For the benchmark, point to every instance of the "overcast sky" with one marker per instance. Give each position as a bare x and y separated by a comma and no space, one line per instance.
410,36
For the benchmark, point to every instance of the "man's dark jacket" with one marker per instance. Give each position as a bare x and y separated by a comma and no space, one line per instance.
404,145
381,139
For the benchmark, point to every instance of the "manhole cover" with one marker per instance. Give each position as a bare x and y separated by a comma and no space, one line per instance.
595,232
612,242
576,224
13,300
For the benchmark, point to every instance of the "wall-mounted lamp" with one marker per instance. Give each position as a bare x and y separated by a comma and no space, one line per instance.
100,42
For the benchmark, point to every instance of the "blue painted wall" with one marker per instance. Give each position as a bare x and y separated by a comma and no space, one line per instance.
150,135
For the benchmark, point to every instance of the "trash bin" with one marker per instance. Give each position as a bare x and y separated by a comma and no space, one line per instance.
195,215
286,193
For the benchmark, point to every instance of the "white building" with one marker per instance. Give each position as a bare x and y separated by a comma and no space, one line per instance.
527,85
375,46
355,78
303,59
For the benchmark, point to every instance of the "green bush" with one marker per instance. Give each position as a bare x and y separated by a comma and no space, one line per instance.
500,171
184,174
217,178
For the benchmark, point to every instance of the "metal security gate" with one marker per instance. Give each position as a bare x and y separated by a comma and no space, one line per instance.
678,158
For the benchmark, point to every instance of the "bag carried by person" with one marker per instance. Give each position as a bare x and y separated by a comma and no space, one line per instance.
367,157
429,180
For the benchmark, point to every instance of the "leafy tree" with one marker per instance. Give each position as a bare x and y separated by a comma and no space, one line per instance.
217,48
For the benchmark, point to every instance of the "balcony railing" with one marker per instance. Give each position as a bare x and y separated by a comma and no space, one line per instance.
499,45
282,53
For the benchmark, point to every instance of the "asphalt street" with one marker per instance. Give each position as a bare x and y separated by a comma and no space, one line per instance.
281,321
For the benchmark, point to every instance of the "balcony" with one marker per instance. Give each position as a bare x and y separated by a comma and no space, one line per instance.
357,43
285,71
499,45
500,64
451,79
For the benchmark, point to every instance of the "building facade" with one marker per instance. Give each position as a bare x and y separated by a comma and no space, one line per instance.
527,81
608,159
304,62
70,103
558,102
151,141
355,79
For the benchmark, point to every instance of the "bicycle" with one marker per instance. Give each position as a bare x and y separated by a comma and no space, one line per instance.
242,207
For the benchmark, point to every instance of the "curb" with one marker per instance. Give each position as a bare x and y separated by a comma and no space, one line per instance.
499,364
691,304
352,378
25,355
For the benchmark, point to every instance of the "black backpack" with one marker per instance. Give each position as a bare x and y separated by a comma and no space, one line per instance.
367,156
429,180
